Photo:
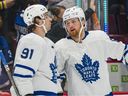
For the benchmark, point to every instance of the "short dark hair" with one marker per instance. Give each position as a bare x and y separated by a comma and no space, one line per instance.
32,27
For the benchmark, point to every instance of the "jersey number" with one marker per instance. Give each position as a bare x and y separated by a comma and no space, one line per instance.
27,53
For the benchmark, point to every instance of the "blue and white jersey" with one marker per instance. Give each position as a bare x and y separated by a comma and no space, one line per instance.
35,67
4,46
5,58
85,63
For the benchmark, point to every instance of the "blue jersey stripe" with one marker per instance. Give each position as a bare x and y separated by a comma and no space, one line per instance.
62,74
124,57
22,76
125,54
25,67
62,78
46,93
126,46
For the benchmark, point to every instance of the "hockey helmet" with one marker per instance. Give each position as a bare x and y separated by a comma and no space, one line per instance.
33,11
73,12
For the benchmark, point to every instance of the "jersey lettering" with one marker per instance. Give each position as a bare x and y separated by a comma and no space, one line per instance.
88,69
27,53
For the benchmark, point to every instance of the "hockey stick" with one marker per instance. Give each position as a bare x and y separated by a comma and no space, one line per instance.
9,73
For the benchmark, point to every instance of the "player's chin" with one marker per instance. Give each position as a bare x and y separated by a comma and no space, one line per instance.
73,34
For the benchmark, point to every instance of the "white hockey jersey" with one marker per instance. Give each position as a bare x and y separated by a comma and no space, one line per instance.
35,69
85,63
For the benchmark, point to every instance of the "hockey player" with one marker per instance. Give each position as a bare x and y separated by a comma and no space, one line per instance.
35,72
82,56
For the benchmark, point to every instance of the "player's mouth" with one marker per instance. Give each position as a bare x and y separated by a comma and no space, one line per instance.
72,30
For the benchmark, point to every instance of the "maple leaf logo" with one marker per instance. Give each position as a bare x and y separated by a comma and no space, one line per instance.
88,70
54,71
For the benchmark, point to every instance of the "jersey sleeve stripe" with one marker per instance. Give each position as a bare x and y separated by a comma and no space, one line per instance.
45,93
22,76
125,55
62,76
126,52
25,67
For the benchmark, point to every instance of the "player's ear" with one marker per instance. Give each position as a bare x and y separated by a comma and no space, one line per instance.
83,22
38,20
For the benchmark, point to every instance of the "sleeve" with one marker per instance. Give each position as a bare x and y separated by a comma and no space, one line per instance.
113,49
61,61
27,60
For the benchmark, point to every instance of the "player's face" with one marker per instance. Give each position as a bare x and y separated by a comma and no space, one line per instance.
48,20
73,27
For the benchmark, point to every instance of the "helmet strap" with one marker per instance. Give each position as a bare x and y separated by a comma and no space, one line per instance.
81,29
45,30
